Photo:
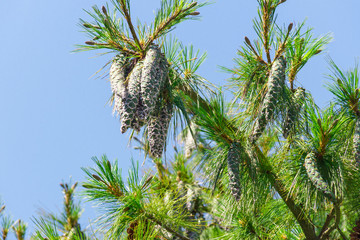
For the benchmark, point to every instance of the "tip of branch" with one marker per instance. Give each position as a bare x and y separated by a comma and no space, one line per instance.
247,41
74,186
90,43
2,208
194,13
88,25
193,4
318,51
104,10
290,27
97,177
319,122
109,164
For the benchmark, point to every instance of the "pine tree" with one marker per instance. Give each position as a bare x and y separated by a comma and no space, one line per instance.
272,164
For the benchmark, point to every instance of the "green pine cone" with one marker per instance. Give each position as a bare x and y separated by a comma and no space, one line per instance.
129,113
157,129
233,162
274,87
118,74
154,74
315,177
356,141
293,111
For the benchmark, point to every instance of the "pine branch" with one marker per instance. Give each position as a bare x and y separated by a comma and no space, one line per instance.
167,228
329,217
296,210
126,13
171,20
328,231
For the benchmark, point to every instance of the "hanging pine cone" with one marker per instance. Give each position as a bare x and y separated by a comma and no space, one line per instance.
118,74
157,129
293,111
233,162
129,116
154,74
315,177
274,87
355,235
356,141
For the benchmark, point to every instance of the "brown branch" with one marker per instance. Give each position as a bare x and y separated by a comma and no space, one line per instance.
305,224
265,24
254,51
128,20
329,217
342,233
281,48
327,232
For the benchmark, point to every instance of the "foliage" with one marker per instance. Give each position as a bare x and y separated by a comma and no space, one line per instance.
270,164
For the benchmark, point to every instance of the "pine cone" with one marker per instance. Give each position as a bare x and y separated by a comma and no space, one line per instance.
356,141
157,129
315,177
293,111
129,114
118,74
233,161
154,75
274,86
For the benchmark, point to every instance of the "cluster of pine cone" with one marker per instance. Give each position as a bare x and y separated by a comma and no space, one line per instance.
138,87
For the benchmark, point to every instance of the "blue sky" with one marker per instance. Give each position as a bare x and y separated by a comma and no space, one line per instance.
54,117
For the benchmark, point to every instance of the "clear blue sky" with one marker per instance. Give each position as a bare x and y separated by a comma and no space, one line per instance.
54,117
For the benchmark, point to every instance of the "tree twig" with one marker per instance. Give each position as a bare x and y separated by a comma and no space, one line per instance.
329,217
128,20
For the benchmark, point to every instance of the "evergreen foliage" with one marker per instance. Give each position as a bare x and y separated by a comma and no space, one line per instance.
270,164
